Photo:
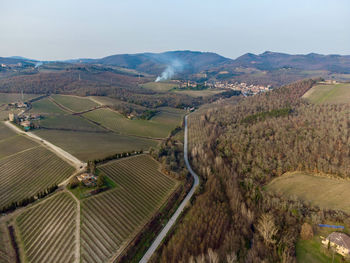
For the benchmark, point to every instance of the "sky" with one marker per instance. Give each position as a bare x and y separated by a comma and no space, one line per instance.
66,29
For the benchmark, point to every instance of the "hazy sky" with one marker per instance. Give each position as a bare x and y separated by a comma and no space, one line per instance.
62,29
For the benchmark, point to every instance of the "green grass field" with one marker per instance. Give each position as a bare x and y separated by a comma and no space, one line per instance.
324,192
112,218
46,107
88,145
74,103
6,98
69,122
199,93
47,231
160,86
158,127
329,93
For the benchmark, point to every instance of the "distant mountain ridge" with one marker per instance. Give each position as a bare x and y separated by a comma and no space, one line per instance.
196,61
273,60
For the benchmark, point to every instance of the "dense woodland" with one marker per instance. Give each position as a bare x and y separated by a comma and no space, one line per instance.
233,219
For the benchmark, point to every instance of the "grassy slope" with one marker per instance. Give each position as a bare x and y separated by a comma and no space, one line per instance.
329,93
46,107
158,127
321,191
12,97
88,145
75,103
160,86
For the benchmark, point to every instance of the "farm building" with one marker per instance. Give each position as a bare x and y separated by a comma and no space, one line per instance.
339,241
12,116
87,179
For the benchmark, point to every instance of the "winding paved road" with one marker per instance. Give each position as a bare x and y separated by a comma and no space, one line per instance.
180,209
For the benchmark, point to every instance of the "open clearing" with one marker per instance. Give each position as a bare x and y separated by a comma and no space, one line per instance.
6,98
329,93
90,145
320,191
74,103
46,107
158,127
26,167
160,86
199,93
47,231
112,218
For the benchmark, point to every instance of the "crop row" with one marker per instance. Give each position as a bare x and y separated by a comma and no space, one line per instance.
26,173
110,219
47,231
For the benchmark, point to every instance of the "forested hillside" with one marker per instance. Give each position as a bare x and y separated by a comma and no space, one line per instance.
237,148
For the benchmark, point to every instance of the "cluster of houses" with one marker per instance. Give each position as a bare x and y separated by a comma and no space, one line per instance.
25,120
243,87
87,179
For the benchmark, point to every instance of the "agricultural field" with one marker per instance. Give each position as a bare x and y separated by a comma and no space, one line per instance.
6,98
198,93
75,103
327,193
112,218
91,145
158,127
47,230
329,93
160,86
46,107
28,172
69,122
26,167
5,252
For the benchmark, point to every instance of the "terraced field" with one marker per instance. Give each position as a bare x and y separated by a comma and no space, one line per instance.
111,219
30,171
158,127
47,231
74,103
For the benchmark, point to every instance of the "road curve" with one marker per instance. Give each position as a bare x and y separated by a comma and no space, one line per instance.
178,212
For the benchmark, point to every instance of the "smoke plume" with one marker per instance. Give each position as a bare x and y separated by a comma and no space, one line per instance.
174,67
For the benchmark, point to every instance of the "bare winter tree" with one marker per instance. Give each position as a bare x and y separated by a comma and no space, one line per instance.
267,228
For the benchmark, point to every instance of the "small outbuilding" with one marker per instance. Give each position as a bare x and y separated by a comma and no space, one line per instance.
87,179
339,241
